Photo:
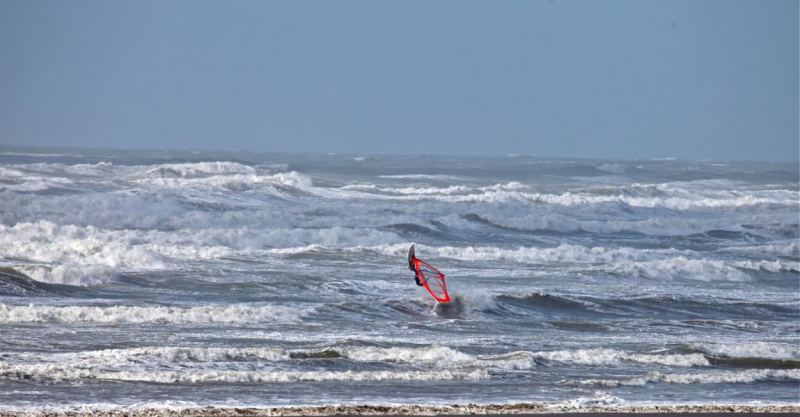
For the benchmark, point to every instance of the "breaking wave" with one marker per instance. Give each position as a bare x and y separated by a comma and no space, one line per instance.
630,262
89,255
604,356
715,377
77,314
58,373
668,196
765,350
229,365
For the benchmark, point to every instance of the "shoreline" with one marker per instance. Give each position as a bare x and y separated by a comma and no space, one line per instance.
538,409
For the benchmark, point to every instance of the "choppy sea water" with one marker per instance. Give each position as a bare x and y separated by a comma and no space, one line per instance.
245,279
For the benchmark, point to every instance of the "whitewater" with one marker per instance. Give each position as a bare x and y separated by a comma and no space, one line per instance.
245,279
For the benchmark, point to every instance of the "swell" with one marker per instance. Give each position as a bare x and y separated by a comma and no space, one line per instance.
765,355
169,365
744,376
335,363
759,363
646,307
16,284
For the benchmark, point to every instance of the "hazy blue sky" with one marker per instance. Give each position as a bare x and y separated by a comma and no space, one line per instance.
691,79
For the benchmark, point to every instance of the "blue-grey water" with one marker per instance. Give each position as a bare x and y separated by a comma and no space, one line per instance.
246,279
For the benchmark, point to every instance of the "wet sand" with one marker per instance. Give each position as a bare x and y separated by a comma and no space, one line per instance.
525,409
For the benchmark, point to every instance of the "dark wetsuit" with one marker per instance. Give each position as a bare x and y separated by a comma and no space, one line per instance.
412,266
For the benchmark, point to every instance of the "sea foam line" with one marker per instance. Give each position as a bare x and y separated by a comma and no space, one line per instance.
237,313
716,377
440,357
57,372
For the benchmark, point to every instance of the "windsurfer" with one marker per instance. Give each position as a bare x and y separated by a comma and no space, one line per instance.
411,257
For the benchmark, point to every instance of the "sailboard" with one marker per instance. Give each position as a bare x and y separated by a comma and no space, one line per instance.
429,277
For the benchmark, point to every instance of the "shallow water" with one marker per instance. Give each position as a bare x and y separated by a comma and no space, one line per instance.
237,278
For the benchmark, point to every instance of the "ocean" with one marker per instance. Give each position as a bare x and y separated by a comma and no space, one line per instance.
244,279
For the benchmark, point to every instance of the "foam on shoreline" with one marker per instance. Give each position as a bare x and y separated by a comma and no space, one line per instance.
539,408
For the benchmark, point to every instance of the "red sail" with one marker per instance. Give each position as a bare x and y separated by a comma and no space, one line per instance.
432,280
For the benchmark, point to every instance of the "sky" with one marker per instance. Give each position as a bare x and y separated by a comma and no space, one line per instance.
696,79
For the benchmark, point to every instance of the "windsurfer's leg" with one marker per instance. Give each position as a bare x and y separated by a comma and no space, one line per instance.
416,279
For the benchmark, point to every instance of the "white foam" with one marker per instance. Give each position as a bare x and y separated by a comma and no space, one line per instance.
77,314
87,255
73,255
604,220
675,203
90,255
423,177
160,355
446,357
195,169
598,399
474,299
227,364
715,377
774,266
441,357
458,192
675,196
99,169
433,354
603,356
71,274
789,249
44,372
30,183
233,181
646,263
678,267
768,350
207,176
174,196
562,253
453,189
8,173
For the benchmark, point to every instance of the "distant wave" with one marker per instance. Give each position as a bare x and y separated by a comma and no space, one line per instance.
196,169
423,177
655,196
645,263
192,195
34,154
89,255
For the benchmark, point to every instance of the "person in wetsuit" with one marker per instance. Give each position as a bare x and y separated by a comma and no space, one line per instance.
411,257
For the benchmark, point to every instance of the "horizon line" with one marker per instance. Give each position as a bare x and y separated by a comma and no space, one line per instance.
375,154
